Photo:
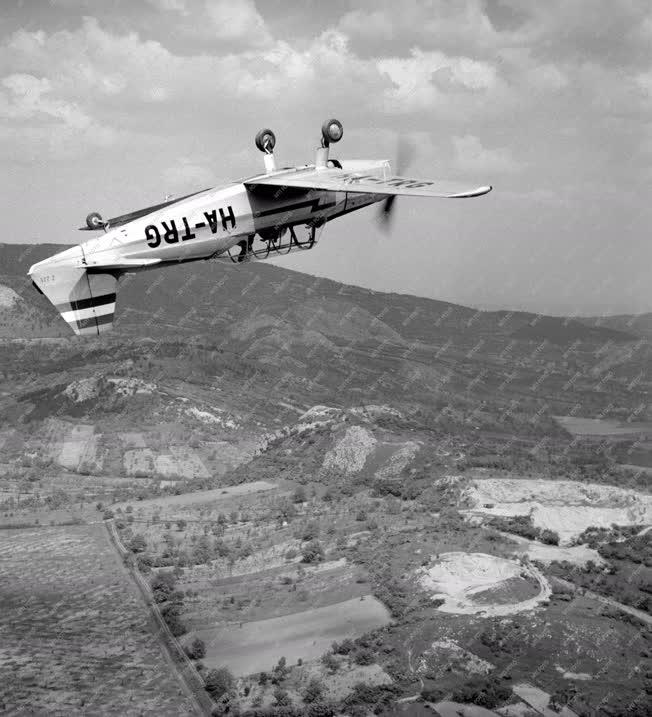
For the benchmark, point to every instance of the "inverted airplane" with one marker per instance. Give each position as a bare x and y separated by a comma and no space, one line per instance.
222,223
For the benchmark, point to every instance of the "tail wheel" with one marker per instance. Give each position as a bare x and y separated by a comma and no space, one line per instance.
331,131
266,141
94,220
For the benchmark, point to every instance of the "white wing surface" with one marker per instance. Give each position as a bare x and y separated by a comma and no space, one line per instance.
336,180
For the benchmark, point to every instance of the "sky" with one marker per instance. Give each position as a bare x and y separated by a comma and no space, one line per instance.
111,105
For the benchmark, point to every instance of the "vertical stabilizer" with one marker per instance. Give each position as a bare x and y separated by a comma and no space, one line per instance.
86,300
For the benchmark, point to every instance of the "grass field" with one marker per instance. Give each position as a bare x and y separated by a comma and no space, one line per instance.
258,645
75,636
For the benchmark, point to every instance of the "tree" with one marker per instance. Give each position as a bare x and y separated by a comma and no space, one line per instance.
202,553
299,495
219,682
196,650
181,524
312,552
330,662
281,698
137,544
162,585
549,537
314,691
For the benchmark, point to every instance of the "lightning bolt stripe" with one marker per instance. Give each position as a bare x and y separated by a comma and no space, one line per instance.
313,204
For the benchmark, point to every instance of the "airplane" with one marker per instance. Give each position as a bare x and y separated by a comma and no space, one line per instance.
222,223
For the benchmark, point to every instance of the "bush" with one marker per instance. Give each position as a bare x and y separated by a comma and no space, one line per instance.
549,537
330,662
483,691
345,647
281,697
219,682
196,650
299,495
312,552
137,544
314,691
364,657
162,585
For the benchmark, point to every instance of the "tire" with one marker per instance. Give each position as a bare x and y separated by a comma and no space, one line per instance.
265,140
332,131
94,220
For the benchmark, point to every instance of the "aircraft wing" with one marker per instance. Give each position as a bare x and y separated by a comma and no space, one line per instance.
336,180
126,218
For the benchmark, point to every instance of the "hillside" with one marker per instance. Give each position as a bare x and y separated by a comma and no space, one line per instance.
355,496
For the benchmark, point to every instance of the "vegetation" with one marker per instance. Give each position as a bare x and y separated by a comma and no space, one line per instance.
522,525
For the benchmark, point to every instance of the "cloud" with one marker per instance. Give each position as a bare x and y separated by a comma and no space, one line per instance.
237,21
423,80
187,174
471,156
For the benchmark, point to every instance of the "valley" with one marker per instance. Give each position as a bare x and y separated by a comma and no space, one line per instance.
356,503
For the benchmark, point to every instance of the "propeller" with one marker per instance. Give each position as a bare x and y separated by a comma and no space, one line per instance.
405,153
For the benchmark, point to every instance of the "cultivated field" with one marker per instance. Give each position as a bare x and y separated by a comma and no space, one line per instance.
256,646
75,636
579,426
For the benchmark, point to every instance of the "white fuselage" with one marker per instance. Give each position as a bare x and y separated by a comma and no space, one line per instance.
213,221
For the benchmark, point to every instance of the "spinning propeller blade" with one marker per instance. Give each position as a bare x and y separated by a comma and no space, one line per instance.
405,153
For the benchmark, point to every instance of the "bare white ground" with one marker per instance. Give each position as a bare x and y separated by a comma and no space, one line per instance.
131,386
539,700
82,390
458,576
8,297
445,650
457,709
566,507
350,453
398,461
577,555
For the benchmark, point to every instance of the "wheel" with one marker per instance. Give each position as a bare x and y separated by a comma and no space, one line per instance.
332,131
265,141
94,220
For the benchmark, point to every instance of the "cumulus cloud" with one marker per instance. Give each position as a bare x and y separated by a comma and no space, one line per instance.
471,156
423,80
237,20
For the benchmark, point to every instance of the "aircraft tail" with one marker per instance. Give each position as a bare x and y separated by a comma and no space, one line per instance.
85,299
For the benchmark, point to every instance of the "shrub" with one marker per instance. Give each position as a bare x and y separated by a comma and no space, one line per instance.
314,691
312,552
483,691
137,544
330,662
281,697
162,585
219,682
549,537
364,657
196,650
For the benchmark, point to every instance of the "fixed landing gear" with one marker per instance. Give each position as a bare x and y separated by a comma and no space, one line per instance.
245,247
274,243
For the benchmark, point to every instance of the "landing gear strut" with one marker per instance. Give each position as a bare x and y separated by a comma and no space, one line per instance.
275,244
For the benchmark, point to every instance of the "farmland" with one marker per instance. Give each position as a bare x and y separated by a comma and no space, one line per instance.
337,500
76,637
